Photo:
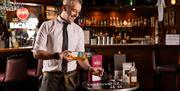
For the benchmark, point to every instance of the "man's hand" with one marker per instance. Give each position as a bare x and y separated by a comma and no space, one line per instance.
68,55
65,55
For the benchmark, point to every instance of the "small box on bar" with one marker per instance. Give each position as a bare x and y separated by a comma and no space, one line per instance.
96,63
172,39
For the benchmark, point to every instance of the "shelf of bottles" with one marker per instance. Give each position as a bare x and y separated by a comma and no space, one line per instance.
113,30
116,22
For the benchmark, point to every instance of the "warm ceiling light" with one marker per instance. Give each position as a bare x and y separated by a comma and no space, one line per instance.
173,2
134,9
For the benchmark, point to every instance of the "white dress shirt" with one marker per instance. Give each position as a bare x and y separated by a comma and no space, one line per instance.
49,38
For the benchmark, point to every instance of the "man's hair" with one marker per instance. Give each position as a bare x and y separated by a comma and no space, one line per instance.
66,2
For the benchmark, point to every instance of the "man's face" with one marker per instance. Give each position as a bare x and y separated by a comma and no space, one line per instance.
73,11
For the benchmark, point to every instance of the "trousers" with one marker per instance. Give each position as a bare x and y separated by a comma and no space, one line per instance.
58,81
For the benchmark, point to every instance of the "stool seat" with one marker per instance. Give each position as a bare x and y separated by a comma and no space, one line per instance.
15,73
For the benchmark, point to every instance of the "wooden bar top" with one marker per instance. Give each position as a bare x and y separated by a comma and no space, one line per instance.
11,50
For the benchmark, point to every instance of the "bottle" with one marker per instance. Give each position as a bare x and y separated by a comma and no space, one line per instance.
107,38
132,74
131,2
112,40
78,56
2,43
14,41
109,72
93,39
98,39
103,39
10,42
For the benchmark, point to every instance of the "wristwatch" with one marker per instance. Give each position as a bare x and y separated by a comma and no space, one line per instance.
56,55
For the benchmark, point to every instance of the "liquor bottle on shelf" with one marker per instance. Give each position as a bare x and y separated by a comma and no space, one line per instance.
103,39
2,42
131,2
118,38
112,40
94,39
117,21
110,21
98,39
107,38
124,40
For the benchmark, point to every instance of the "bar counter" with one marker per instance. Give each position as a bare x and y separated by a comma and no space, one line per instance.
140,54
7,52
11,50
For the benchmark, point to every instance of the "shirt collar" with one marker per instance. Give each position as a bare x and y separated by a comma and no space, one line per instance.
61,20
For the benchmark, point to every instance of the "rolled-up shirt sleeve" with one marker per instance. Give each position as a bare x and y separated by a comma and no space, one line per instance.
41,38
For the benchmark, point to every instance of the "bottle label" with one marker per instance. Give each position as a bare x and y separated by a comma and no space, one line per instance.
129,72
96,63
93,41
112,41
133,79
107,40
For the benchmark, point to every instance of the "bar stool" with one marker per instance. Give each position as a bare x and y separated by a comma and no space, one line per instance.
168,69
15,72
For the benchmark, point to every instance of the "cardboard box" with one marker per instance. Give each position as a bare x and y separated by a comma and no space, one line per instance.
118,60
126,68
96,63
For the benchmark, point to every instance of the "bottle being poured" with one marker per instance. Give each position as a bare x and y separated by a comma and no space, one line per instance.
81,56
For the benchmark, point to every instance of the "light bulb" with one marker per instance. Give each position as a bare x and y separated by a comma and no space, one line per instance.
173,2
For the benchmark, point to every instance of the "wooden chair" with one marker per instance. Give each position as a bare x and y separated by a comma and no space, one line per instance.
15,72
166,69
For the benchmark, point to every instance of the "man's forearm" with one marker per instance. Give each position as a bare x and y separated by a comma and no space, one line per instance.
40,54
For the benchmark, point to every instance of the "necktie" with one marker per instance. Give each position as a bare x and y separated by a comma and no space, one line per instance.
64,46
